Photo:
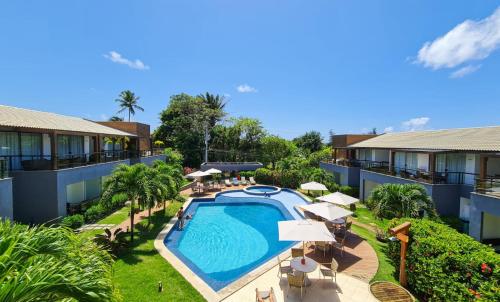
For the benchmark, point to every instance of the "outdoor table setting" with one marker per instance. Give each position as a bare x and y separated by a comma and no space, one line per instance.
304,265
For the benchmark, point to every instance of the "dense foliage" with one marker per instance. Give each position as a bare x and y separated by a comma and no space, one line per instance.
310,141
73,221
183,125
401,200
275,148
52,264
445,265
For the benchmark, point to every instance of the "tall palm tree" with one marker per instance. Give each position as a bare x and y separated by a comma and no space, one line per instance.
156,191
216,103
171,176
130,181
128,101
52,264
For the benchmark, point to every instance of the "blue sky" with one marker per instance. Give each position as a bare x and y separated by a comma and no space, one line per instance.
347,66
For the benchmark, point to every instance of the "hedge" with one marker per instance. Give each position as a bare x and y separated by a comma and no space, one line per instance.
73,221
445,265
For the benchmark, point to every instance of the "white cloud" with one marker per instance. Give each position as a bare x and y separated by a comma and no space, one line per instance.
468,41
414,124
245,88
388,129
462,72
115,57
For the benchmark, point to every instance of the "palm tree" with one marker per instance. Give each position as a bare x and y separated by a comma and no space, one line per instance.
216,103
129,181
171,176
52,264
128,101
156,191
401,200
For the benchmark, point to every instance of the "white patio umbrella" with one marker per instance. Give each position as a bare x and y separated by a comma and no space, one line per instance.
326,210
338,198
313,186
213,171
303,230
197,174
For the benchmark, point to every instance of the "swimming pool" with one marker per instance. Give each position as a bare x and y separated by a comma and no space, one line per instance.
229,236
262,190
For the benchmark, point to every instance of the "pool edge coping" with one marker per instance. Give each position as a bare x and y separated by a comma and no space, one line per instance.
196,281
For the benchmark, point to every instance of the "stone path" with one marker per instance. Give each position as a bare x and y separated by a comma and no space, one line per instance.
95,226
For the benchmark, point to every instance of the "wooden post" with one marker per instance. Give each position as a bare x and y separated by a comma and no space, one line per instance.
483,166
391,160
401,232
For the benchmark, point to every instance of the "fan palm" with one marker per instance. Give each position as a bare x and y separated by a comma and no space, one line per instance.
128,101
52,264
401,200
130,181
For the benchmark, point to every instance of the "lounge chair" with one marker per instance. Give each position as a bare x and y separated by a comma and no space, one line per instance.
267,295
283,268
329,272
252,181
297,252
235,181
227,182
296,279
243,180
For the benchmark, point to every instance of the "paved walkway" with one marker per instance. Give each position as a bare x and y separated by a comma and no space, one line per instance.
95,226
347,288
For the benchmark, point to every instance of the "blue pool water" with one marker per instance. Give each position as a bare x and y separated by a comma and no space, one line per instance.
233,234
262,189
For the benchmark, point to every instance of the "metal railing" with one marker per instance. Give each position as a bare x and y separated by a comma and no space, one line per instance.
63,161
489,185
420,175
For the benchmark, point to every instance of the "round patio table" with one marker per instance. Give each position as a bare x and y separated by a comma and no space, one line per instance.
309,266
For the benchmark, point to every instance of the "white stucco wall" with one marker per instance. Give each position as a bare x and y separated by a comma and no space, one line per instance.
471,166
46,144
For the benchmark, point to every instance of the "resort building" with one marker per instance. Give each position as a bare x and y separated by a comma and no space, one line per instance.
459,168
51,164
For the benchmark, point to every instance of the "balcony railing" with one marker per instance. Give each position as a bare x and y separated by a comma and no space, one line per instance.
489,186
420,175
48,162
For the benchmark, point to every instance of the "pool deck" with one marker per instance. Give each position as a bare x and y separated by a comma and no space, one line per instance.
358,265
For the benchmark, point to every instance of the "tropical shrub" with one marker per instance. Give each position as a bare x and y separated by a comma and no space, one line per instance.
445,265
247,174
264,176
73,221
94,213
351,191
401,200
113,242
52,264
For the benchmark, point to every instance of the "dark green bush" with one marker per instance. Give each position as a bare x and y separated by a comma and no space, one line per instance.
445,265
73,221
264,176
351,191
247,174
94,213
289,179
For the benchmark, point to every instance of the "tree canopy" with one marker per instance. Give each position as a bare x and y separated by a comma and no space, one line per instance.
311,141
275,148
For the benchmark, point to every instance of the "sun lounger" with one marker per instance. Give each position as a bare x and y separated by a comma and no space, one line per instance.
226,181
235,181
243,180
252,181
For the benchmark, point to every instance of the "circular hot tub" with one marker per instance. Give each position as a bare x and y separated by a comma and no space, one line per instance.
262,190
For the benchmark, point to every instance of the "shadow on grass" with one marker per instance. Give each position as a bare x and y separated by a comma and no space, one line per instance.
145,233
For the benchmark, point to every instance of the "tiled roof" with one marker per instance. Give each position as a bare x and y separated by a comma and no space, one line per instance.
464,139
25,118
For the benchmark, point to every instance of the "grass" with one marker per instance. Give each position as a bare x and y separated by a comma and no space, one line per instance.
138,269
386,270
366,216
116,217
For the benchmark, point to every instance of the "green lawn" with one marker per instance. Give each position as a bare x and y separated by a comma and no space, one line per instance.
366,216
116,217
138,270
385,270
